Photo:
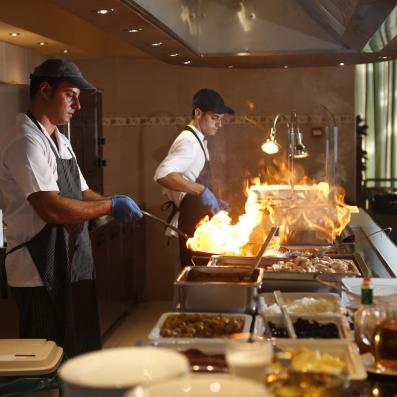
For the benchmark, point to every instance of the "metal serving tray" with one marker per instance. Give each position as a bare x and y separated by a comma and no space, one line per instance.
217,289
290,297
206,345
339,320
287,280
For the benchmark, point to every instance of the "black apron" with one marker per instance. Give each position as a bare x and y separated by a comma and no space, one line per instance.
63,257
191,210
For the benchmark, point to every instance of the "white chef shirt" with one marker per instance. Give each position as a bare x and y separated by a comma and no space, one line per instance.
185,157
27,165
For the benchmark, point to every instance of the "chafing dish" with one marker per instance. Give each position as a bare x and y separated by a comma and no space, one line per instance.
286,280
217,289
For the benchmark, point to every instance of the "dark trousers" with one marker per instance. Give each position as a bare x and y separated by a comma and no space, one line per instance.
37,317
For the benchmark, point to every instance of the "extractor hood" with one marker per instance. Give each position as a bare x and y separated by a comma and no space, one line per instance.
249,33
276,33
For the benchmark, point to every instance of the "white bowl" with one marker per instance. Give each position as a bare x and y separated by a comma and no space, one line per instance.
210,385
111,372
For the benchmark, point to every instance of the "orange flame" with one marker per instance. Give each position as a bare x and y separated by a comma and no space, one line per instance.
310,213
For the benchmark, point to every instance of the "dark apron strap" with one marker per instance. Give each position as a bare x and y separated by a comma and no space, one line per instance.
16,248
188,128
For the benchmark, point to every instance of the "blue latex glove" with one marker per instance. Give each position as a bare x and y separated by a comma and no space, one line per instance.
223,205
124,209
209,201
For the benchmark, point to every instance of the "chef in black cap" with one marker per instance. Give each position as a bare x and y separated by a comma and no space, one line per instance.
185,173
49,262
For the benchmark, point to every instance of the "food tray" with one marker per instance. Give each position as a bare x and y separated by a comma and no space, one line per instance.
342,348
217,289
338,319
290,297
207,345
287,280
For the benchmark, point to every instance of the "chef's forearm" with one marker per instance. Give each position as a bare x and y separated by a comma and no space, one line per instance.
178,183
91,195
53,208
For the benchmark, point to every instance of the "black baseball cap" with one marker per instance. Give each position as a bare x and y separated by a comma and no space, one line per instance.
209,100
62,69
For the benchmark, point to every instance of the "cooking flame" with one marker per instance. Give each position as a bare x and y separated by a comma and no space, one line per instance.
309,214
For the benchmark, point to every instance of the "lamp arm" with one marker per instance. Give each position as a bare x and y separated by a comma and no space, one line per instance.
279,117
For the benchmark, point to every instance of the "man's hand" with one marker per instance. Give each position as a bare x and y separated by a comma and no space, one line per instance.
223,205
209,201
124,209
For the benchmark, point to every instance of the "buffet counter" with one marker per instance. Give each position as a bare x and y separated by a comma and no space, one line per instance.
367,241
375,247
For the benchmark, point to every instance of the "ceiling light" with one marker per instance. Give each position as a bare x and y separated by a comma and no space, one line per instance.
104,11
133,30
285,66
187,62
230,67
42,43
384,57
14,34
242,54
341,63
156,44
175,54
65,51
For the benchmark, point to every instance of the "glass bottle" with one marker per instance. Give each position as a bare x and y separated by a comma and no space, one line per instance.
385,339
367,317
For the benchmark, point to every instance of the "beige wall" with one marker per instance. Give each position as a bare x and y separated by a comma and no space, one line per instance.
150,88
138,88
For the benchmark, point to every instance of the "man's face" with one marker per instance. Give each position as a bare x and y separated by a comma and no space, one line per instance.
63,102
209,122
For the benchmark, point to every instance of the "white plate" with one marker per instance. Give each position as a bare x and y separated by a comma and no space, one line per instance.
203,385
207,345
369,364
342,348
290,297
340,321
121,368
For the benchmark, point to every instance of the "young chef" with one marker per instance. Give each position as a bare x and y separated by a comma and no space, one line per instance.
185,173
49,262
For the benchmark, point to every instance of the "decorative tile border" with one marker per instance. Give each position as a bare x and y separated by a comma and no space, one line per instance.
139,121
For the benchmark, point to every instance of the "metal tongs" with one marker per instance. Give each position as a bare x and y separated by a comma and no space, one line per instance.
172,227
285,315
339,286
257,259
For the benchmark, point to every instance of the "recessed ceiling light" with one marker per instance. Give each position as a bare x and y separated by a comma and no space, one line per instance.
104,11
175,54
157,43
65,51
133,30
187,62
341,63
285,66
42,43
14,34
384,57
242,54
230,67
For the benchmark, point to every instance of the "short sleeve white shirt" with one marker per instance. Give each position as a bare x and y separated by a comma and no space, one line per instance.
27,165
185,157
